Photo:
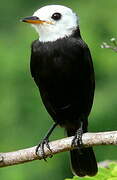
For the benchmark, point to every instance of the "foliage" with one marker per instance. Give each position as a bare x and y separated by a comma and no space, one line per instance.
109,173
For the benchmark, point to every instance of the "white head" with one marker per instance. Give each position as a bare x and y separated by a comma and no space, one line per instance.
53,22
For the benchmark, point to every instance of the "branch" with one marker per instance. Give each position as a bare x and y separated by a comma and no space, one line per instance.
26,155
107,46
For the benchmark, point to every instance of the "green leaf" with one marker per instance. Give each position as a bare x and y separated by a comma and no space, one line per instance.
114,171
109,173
112,165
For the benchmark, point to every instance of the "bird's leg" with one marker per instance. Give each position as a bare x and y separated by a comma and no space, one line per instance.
77,140
45,141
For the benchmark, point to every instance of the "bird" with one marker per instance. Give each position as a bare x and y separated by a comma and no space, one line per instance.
62,68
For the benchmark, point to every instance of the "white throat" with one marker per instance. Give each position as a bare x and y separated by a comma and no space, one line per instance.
45,36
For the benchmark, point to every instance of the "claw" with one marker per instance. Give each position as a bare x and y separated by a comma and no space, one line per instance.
45,141
41,146
77,140
48,146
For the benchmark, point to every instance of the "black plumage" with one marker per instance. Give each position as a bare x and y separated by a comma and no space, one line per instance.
63,72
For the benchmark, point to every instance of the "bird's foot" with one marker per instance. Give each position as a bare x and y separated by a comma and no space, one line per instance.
77,140
45,142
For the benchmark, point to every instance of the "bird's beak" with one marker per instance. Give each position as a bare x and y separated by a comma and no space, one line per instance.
34,20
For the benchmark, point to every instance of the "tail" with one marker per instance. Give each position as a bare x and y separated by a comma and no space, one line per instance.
83,162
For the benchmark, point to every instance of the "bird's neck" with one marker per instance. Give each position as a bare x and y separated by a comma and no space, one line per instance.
46,37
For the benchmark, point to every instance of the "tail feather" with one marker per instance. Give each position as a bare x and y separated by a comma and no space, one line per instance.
83,162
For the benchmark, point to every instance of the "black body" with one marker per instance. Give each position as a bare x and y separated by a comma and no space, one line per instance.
63,72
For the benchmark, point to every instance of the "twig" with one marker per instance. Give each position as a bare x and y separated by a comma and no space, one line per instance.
107,46
62,145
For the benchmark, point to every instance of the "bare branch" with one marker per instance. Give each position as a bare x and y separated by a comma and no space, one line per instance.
62,145
107,46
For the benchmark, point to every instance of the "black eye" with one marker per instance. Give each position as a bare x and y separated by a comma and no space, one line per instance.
56,16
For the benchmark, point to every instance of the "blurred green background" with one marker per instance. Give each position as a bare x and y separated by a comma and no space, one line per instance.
23,118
